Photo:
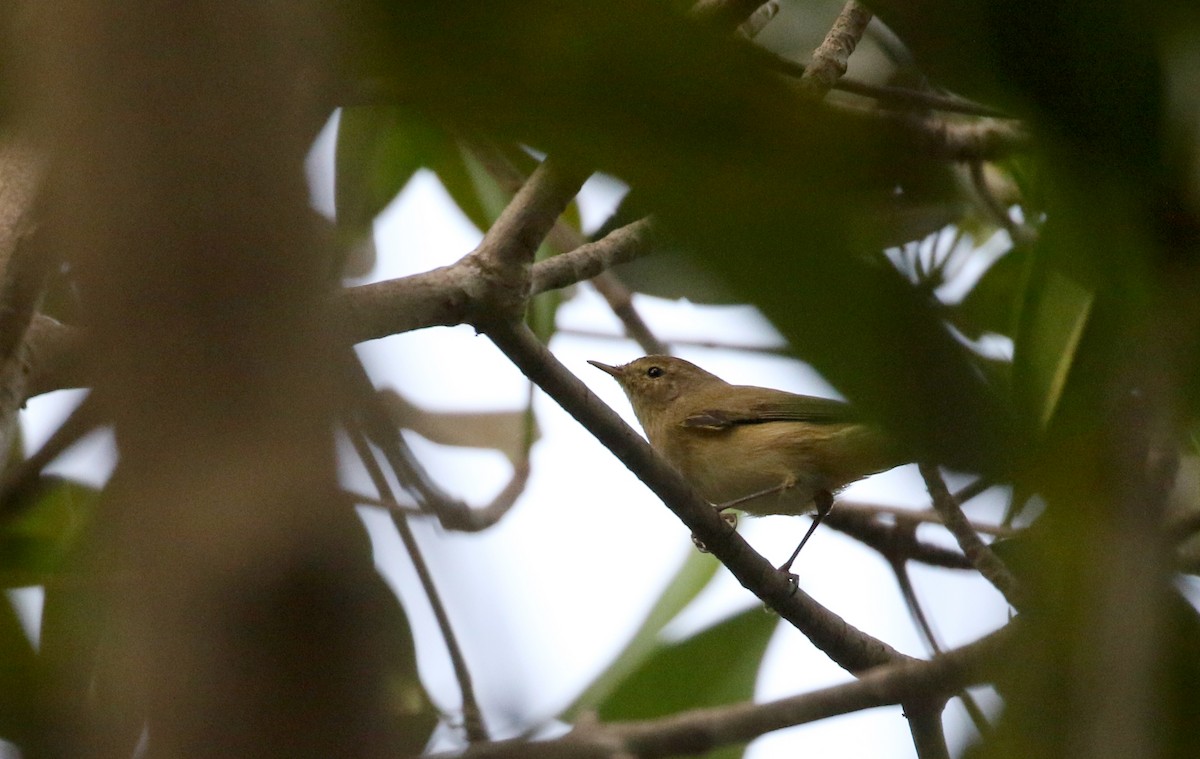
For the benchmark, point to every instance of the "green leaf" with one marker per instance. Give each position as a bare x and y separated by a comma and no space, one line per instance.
379,148
469,185
1045,349
33,546
993,304
17,661
715,667
687,583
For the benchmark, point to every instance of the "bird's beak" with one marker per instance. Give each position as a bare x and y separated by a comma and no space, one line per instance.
614,371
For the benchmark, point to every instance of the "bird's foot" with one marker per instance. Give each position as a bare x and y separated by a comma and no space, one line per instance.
793,580
730,518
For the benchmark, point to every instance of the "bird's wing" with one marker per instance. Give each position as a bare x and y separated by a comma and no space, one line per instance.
775,406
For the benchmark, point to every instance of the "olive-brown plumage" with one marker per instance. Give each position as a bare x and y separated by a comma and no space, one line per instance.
735,441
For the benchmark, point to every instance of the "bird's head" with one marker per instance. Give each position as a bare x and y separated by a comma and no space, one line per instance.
654,383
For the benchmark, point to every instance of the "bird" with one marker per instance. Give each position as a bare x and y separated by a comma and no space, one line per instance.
758,449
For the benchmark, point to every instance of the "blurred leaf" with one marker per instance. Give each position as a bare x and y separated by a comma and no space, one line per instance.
993,304
379,148
692,577
1045,349
17,671
472,188
674,275
407,702
34,545
715,667
504,431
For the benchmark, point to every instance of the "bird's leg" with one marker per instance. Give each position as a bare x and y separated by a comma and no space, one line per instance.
780,488
731,517
824,502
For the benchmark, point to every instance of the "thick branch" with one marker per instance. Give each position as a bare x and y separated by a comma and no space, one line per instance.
505,257
446,296
441,297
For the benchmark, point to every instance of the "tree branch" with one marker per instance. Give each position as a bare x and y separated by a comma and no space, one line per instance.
980,555
505,257
472,715
702,730
831,57
447,296
565,238
851,648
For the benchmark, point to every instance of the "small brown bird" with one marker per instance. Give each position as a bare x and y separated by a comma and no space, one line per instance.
761,450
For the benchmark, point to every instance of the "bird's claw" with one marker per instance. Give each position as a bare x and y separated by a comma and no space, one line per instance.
730,518
793,581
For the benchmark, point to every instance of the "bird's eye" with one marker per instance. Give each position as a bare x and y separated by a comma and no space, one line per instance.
654,372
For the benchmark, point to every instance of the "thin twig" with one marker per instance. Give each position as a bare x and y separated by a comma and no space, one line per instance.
921,620
981,556
82,420
473,723
383,503
890,541
976,488
758,20
922,515
1020,234
591,259
831,57
897,97
620,300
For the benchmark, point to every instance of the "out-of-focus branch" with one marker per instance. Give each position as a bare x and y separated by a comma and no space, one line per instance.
886,95
831,57
724,14
472,716
920,515
758,20
892,541
985,140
